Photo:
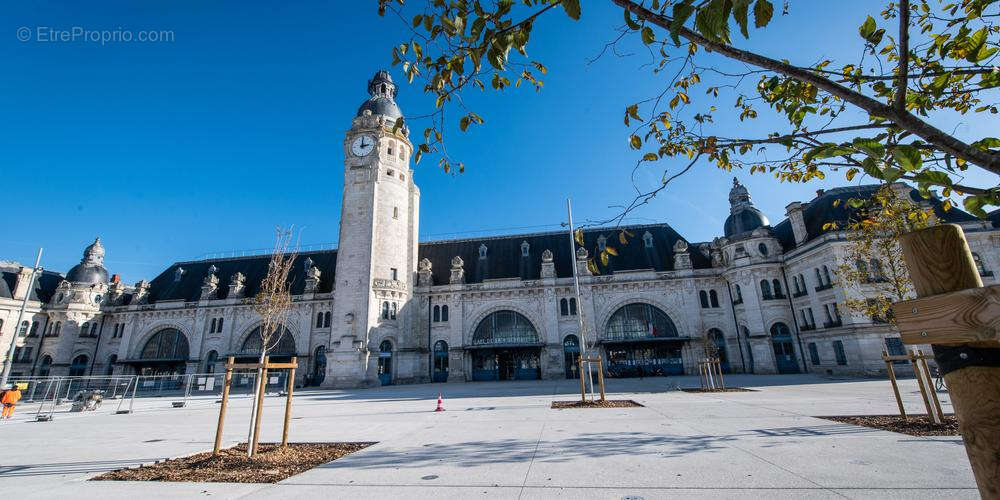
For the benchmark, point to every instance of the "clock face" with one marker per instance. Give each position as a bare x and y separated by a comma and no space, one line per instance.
363,145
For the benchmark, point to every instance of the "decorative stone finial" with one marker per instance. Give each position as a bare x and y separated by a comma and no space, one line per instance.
547,255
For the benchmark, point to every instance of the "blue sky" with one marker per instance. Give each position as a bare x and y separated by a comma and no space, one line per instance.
173,150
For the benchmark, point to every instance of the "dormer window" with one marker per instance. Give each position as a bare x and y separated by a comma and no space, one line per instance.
647,239
482,251
762,248
178,273
602,243
525,248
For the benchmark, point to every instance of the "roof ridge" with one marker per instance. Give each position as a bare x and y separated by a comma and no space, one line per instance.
545,233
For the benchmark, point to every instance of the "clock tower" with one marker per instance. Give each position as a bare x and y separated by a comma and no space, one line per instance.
377,251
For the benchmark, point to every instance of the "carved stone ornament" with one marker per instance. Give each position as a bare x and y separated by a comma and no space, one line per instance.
681,246
424,265
547,255
457,271
457,262
581,253
312,277
236,285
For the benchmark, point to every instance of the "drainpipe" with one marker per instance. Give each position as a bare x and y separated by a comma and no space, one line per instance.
795,321
736,325
100,332
430,348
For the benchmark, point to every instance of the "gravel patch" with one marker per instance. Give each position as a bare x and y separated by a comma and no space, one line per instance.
608,403
271,464
915,425
727,389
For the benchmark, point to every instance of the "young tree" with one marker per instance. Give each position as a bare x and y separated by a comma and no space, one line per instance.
873,267
918,60
272,304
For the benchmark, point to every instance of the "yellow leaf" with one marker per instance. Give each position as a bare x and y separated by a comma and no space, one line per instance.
611,250
604,258
578,236
621,238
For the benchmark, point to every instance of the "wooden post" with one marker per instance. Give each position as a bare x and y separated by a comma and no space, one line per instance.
940,262
918,371
930,387
718,367
260,406
583,386
895,387
288,402
222,407
600,375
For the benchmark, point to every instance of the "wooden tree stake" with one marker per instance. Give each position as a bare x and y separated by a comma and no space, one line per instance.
260,406
288,402
223,406
940,262
583,385
895,386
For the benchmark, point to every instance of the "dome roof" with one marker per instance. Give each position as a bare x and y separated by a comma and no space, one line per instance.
745,220
90,270
381,106
86,274
743,216
383,94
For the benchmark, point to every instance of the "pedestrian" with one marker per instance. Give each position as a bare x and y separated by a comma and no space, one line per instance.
11,395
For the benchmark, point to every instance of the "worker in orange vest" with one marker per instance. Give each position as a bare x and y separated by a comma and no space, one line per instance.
11,395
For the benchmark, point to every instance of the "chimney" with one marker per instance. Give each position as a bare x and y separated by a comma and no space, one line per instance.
794,213
820,192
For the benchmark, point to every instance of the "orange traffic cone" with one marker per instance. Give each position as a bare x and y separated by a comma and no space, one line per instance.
439,408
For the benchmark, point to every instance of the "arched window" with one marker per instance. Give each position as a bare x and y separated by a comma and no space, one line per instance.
34,329
444,312
780,330
281,343
505,327
713,296
211,329
437,314
326,319
210,361
765,289
166,344
777,288
819,278
639,321
802,280
319,320
23,331
572,306
385,310
564,307
45,366
55,333
826,276
393,313
218,328
83,329
795,283
93,329
738,292
79,366
385,362
979,264
110,369
703,297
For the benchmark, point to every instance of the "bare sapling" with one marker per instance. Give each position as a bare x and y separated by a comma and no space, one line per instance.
272,303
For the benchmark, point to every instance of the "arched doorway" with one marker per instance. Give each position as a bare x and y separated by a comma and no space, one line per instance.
281,345
385,362
78,367
319,366
210,360
440,361
719,341
506,347
642,340
571,353
164,353
784,349
45,366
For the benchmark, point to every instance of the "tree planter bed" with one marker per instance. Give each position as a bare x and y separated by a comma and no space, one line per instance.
609,403
916,425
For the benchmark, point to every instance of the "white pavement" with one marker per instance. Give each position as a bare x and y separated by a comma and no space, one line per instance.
501,440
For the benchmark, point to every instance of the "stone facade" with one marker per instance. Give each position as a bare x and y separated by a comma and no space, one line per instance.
383,308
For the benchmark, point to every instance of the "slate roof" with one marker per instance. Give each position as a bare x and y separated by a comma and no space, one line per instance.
504,259
995,217
166,287
44,289
821,210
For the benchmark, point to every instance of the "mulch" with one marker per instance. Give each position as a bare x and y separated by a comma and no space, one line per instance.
727,389
915,425
608,403
271,464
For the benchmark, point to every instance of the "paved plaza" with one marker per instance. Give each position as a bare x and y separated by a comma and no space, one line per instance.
502,440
